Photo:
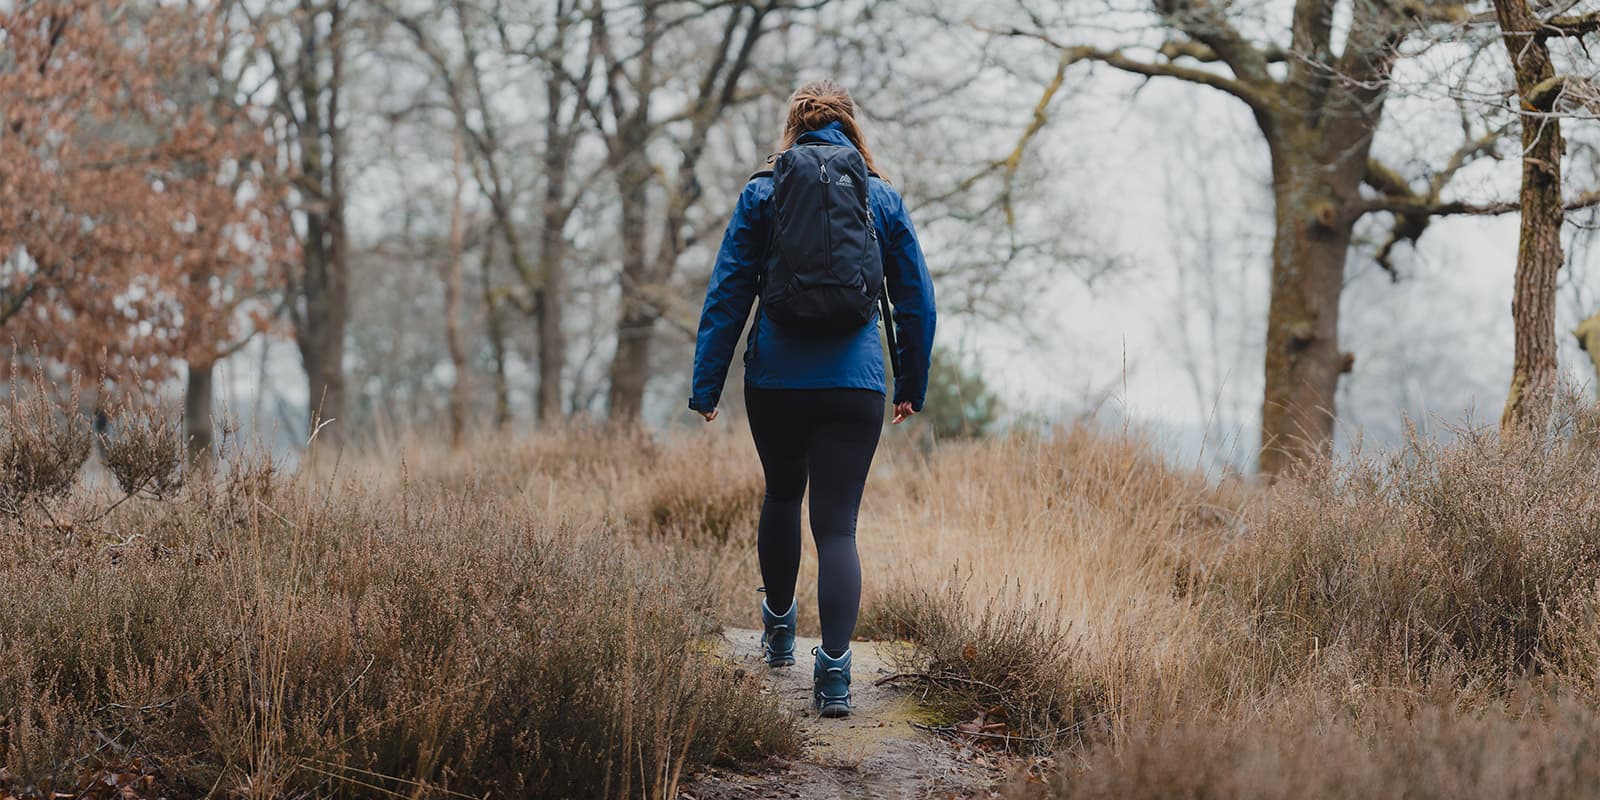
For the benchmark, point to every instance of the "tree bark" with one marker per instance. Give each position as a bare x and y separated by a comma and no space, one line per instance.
324,280
1317,169
197,404
453,276
630,367
494,315
1539,256
552,255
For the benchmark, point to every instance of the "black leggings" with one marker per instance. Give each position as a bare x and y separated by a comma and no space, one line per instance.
828,436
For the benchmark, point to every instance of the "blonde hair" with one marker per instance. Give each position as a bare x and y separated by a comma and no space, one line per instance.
818,103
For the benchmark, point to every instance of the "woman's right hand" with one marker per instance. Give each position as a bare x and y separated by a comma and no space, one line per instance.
709,415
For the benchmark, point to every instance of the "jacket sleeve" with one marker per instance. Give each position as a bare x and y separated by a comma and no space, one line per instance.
911,292
733,288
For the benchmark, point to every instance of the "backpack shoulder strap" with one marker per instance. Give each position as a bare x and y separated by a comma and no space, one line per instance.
766,173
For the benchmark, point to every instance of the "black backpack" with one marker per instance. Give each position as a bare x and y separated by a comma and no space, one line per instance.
825,272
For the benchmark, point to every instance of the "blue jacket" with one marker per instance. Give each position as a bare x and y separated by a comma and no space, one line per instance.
777,360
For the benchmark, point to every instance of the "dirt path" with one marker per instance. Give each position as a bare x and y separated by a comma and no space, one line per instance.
873,753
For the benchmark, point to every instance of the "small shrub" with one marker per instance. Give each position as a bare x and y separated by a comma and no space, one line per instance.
1480,556
41,450
302,640
143,450
1309,747
1009,659
705,492
960,404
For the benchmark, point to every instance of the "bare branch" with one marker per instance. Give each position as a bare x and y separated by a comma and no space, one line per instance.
1209,25
1575,25
1401,205
1258,97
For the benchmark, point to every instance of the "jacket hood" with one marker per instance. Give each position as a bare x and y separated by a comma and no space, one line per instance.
831,133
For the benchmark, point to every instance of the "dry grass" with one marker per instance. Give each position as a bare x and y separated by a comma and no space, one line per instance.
523,613
340,633
1539,747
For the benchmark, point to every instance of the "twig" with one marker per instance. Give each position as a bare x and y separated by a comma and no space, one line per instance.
144,709
956,733
371,658
128,542
113,507
942,678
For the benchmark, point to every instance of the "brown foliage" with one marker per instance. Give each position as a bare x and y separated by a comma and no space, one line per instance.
41,451
128,188
144,452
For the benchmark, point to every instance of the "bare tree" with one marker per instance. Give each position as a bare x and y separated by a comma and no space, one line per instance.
453,275
1318,103
560,57
632,80
306,45
1539,256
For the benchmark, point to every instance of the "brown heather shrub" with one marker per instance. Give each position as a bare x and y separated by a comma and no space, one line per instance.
1480,557
1008,659
1305,748
143,451
310,636
700,491
41,450
1040,574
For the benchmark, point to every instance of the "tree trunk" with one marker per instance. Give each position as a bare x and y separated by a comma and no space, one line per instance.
494,315
1317,174
323,357
324,280
1539,257
630,368
552,256
197,403
453,275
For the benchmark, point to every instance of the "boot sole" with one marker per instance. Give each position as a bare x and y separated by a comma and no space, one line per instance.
834,712
780,662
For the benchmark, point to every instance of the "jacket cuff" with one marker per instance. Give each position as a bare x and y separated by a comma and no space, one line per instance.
903,396
702,404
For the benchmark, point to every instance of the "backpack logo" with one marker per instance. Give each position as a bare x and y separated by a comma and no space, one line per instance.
844,180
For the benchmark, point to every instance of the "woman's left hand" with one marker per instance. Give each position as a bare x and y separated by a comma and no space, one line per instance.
902,411
709,415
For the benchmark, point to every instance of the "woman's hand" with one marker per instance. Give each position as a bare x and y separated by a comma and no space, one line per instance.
709,415
902,411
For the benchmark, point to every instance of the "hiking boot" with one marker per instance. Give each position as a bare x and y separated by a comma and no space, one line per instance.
830,691
777,636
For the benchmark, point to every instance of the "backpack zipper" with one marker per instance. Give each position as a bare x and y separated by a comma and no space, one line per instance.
827,229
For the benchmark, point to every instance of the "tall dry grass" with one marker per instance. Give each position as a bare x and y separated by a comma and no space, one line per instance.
530,615
355,630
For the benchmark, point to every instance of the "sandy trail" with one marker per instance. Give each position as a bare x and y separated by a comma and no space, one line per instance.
873,753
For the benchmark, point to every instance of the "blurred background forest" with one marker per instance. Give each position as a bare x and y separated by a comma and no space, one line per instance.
379,217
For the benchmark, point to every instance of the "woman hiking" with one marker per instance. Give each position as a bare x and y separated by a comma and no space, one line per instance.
819,238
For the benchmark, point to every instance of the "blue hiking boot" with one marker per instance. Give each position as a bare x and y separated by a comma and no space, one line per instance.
830,691
777,636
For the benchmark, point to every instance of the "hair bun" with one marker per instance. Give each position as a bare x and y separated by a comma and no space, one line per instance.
815,111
